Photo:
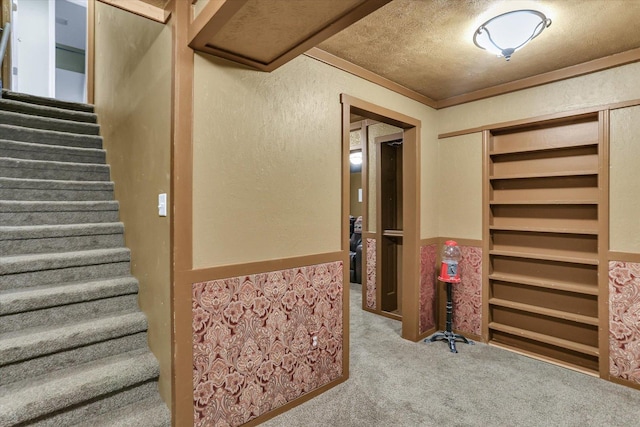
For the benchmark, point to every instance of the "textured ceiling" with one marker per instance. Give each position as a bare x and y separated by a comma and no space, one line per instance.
427,45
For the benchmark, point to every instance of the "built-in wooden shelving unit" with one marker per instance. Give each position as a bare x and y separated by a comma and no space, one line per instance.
543,195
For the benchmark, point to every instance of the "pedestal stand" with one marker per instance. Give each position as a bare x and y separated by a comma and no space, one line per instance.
448,334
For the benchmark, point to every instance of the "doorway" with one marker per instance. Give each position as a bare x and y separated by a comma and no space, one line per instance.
49,48
399,243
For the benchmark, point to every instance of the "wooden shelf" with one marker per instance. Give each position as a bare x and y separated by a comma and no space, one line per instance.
543,195
544,148
392,233
558,230
547,339
578,318
557,174
547,359
590,260
578,288
547,202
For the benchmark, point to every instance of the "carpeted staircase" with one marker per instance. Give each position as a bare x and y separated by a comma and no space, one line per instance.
73,342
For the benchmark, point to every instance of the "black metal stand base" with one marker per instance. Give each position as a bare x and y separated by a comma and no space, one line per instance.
448,334
450,337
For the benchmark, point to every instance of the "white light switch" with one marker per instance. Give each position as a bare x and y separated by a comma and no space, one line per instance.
162,204
360,195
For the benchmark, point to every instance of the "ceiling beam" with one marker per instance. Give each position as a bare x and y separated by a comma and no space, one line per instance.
141,8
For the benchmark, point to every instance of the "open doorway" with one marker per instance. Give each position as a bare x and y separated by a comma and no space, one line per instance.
390,209
49,48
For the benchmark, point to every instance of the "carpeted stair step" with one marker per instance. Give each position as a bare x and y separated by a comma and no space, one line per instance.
39,213
68,313
151,412
43,169
56,153
65,392
49,137
36,342
60,238
26,120
49,102
32,189
47,111
22,271
24,300
46,364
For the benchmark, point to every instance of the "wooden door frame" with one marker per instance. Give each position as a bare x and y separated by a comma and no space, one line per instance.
5,16
410,203
378,141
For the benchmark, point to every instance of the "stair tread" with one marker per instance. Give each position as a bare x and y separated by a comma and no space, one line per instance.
13,132
150,412
49,184
42,100
56,163
60,230
35,298
39,122
52,148
48,206
48,261
30,399
24,344
46,111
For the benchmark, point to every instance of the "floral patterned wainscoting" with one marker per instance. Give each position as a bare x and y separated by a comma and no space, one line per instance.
467,295
624,320
371,273
427,287
253,341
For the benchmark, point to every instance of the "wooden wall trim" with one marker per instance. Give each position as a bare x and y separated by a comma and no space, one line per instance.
356,70
429,241
560,116
91,50
218,11
623,256
589,67
292,404
243,269
378,113
603,244
626,383
141,8
462,241
181,201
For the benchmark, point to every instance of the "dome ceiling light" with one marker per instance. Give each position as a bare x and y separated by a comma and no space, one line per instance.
507,33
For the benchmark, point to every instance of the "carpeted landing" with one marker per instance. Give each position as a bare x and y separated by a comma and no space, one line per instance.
73,342
394,382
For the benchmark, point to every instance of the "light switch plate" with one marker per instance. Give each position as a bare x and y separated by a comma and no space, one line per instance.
162,204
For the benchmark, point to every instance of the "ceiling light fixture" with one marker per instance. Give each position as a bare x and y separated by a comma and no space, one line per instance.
356,158
507,33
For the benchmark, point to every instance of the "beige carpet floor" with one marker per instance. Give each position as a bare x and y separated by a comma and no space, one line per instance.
395,382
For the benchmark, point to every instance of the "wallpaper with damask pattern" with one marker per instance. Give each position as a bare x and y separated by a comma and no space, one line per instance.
253,341
427,287
624,320
467,295
371,273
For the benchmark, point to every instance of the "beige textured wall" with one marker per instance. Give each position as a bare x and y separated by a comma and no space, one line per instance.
267,158
133,102
624,186
460,187
605,87
609,86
